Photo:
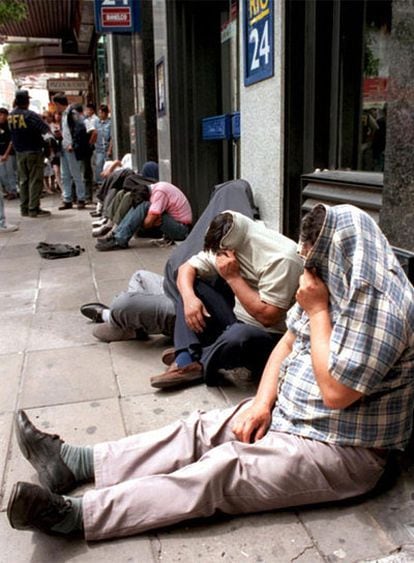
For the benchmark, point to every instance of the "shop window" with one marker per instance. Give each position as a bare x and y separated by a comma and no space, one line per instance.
374,85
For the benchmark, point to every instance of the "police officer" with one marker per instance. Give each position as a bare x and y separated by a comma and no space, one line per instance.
27,129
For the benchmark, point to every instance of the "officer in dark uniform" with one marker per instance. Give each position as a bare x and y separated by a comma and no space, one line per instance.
27,129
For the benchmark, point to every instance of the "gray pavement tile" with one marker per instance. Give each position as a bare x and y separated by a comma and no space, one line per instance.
146,412
59,276
19,250
6,421
16,299
136,361
10,374
14,280
21,264
107,271
14,331
394,509
58,329
82,424
36,547
66,296
66,263
261,537
67,376
347,533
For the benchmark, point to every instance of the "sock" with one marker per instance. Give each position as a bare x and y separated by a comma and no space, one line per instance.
183,358
106,315
79,459
73,521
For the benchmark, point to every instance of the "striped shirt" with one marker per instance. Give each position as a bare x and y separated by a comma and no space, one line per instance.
372,341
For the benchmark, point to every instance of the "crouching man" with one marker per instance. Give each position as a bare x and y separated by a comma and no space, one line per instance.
335,397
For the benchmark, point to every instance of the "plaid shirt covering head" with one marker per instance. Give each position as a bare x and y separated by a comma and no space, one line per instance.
372,341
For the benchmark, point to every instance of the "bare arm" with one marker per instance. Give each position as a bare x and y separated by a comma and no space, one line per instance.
252,424
313,297
228,268
194,309
7,153
151,220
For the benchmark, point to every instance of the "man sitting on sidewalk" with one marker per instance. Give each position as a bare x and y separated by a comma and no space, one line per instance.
166,213
148,305
234,298
335,398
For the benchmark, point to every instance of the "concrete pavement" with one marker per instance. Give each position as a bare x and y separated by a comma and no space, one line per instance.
51,365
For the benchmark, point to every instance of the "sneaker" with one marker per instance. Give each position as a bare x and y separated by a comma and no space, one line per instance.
162,242
99,222
102,230
9,229
109,244
80,205
65,205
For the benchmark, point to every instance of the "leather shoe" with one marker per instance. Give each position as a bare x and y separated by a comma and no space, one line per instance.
168,356
109,244
93,311
65,205
32,508
178,377
43,452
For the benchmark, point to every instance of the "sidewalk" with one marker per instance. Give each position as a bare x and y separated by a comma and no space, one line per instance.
86,391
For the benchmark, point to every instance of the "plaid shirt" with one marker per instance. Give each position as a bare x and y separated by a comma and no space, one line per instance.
372,341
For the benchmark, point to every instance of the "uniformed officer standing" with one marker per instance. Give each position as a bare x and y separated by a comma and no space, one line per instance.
27,129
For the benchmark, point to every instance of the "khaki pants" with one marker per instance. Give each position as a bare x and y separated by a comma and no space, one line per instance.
193,468
30,174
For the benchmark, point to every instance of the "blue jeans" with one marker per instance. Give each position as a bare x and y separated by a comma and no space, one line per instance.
2,217
8,176
100,159
134,220
71,171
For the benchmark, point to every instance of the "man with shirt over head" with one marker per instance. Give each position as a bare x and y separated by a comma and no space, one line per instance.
27,129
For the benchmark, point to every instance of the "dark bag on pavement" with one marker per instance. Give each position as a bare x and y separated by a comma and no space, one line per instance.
58,250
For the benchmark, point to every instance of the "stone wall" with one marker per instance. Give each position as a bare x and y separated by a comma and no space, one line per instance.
397,215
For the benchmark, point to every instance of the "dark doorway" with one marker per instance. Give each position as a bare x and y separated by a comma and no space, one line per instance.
195,86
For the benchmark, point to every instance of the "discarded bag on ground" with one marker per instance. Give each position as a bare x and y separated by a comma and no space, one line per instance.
58,250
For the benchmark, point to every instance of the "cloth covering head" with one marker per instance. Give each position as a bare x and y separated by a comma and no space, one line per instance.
351,251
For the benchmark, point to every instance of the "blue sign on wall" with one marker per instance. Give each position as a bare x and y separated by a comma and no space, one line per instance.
118,16
258,44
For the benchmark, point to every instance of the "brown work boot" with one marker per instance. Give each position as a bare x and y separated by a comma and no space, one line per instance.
178,377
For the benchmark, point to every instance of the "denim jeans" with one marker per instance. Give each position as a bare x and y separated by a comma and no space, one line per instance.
71,171
8,176
2,217
100,158
134,220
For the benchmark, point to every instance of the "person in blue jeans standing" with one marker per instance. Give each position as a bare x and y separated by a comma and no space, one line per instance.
103,145
73,138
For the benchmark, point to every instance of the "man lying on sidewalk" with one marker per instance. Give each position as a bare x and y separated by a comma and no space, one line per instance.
335,397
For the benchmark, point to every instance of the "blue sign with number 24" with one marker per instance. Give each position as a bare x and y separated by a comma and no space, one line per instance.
258,40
